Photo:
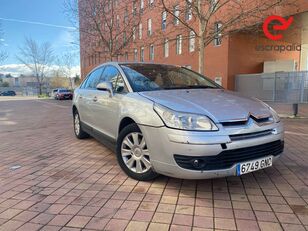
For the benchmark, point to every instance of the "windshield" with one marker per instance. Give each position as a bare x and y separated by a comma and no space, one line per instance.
152,77
63,91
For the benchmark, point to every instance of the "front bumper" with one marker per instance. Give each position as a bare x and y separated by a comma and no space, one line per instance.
163,143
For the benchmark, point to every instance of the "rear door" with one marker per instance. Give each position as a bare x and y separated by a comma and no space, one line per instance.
86,95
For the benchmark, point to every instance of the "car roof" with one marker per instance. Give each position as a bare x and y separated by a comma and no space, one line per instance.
137,63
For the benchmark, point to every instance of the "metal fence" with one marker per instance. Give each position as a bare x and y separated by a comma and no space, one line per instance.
285,87
25,91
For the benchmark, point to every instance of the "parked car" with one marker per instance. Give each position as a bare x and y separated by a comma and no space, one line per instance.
62,93
8,93
170,120
53,93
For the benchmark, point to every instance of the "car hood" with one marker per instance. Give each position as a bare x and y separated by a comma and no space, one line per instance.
219,104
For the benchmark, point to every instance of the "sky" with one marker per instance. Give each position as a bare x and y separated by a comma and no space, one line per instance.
43,21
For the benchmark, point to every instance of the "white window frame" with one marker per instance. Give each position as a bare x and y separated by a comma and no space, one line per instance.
140,31
149,27
134,33
142,54
192,41
176,12
213,5
179,41
218,36
134,10
118,21
151,52
164,20
188,15
135,54
141,5
166,48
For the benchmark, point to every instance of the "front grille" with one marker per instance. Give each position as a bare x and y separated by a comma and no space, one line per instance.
238,137
228,158
244,122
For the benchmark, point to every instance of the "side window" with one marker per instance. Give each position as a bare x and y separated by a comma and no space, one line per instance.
93,79
112,74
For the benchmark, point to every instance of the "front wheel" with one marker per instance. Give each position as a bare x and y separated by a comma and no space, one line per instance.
133,155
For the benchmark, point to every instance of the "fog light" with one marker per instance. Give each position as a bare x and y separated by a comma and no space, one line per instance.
198,163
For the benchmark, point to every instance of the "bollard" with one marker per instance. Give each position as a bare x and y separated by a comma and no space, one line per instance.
295,109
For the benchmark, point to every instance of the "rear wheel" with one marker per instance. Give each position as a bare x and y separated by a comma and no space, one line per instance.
79,132
133,155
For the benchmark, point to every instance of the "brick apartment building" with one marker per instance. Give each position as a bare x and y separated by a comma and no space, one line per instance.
225,56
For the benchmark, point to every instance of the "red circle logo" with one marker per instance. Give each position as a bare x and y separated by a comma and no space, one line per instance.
284,24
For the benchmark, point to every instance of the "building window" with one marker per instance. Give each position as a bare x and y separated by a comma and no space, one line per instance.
218,80
166,48
125,16
135,54
151,3
176,13
118,21
179,44
141,6
140,31
134,33
218,35
188,13
149,27
124,37
164,20
213,6
134,8
151,52
126,56
142,54
192,38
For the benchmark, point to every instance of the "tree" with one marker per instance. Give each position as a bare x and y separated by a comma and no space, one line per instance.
65,65
5,84
3,54
37,58
101,25
77,80
210,20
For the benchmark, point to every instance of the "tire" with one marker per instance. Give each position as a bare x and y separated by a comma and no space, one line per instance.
136,154
79,132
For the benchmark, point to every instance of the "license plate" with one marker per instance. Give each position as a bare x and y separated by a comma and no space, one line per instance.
254,165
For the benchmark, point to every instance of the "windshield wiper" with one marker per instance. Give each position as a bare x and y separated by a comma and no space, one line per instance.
190,87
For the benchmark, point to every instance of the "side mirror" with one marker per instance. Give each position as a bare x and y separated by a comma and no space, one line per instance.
105,86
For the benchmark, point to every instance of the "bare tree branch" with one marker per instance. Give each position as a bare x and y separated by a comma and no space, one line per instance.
37,58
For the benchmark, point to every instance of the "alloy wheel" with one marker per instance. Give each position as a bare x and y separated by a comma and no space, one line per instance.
135,153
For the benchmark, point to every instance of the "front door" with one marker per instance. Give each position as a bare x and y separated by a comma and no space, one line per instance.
106,109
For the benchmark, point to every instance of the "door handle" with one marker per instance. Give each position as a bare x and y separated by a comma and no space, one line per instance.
95,99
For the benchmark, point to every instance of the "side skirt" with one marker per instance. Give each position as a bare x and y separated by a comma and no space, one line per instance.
102,138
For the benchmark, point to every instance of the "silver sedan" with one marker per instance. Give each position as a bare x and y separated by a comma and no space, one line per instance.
169,120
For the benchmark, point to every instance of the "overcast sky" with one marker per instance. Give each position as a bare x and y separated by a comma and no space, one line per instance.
42,20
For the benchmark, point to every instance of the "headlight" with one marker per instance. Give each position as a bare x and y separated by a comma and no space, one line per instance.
275,115
184,121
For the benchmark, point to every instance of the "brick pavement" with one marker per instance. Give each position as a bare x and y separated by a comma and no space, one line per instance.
68,184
